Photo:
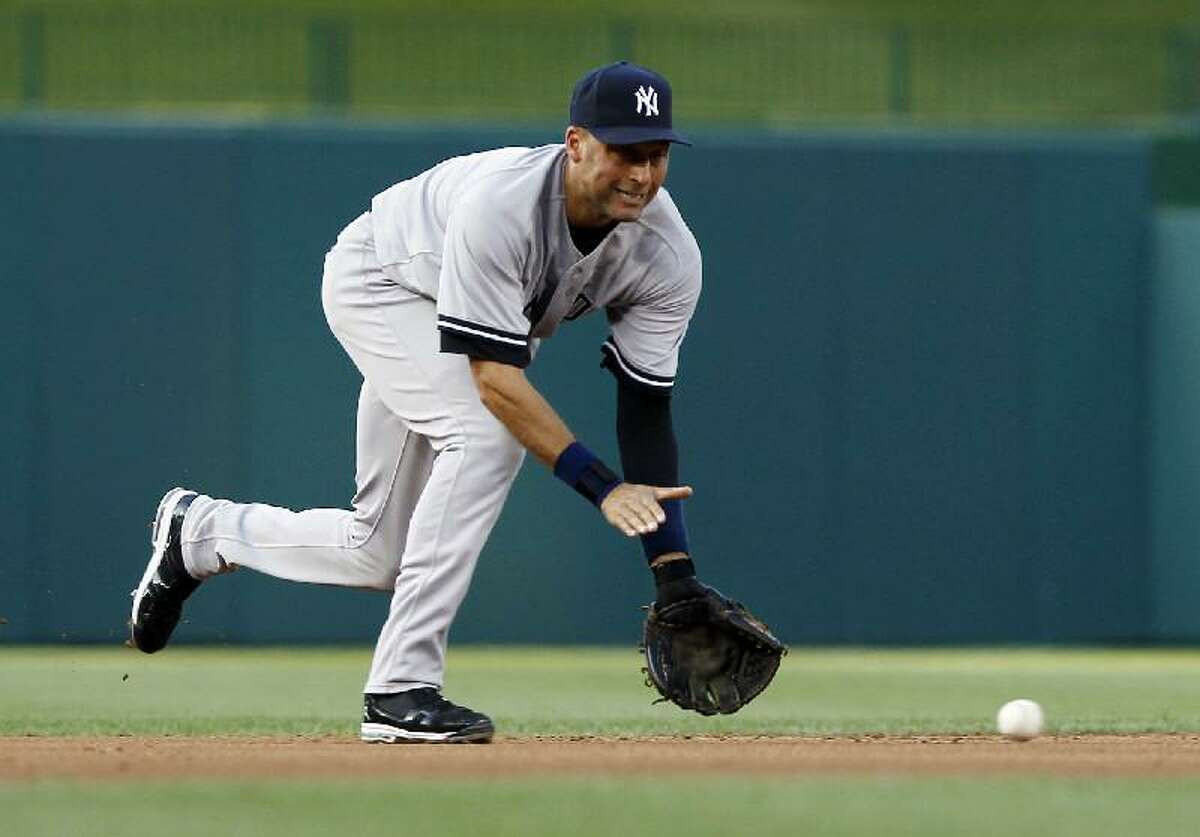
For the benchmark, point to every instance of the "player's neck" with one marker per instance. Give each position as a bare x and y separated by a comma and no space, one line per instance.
581,212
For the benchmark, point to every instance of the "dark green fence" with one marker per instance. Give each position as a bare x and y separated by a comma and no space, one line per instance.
505,64
1175,396
913,401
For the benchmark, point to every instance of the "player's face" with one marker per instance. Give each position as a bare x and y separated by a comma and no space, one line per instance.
613,182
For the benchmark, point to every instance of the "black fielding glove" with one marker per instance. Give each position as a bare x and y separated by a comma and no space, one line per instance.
706,652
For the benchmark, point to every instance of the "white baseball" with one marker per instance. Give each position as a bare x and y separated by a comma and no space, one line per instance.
1020,719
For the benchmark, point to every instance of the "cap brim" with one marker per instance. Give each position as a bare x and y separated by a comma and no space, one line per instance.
632,135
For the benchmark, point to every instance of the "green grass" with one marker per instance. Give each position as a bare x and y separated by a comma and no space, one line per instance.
583,807
1172,11
578,691
761,61
188,690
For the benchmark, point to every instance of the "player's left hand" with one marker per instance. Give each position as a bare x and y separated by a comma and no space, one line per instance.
708,653
635,509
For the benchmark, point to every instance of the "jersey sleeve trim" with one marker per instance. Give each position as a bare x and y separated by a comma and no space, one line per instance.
620,366
447,323
462,337
478,349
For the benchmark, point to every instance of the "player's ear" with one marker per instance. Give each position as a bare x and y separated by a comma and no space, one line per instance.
575,141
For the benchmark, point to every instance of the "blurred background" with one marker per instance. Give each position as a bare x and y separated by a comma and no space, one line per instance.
943,385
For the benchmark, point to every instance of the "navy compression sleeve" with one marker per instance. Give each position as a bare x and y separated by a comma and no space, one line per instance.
646,436
650,456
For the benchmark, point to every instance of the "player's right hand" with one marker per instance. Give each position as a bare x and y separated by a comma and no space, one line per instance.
635,509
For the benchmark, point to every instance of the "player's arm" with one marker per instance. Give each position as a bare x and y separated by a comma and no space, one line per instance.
650,455
642,354
633,508
507,393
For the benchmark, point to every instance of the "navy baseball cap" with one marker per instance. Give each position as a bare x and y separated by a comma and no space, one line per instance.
623,103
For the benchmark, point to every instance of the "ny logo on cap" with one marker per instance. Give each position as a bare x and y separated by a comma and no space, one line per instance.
647,96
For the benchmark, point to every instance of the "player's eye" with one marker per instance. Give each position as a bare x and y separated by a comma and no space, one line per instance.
632,156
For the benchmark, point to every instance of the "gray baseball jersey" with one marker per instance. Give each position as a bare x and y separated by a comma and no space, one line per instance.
473,257
486,236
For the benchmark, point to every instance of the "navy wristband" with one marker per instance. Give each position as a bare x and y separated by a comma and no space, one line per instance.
581,469
670,536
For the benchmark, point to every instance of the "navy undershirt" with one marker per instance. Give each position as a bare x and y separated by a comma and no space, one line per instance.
587,239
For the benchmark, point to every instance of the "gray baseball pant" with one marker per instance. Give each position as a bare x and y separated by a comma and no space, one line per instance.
434,467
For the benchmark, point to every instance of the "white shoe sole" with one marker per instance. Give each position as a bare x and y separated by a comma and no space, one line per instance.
384,734
158,540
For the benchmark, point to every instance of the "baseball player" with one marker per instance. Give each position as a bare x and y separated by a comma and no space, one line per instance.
441,294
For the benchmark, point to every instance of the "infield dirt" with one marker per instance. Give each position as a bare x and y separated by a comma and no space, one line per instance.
31,757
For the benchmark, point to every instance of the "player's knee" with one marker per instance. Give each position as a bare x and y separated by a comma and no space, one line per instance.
375,561
381,576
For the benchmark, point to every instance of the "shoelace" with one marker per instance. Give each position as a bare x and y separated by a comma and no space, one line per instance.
435,700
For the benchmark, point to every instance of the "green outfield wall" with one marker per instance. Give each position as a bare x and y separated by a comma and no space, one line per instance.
1174,379
913,403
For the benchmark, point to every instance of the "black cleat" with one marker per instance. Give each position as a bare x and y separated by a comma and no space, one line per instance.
422,716
158,600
